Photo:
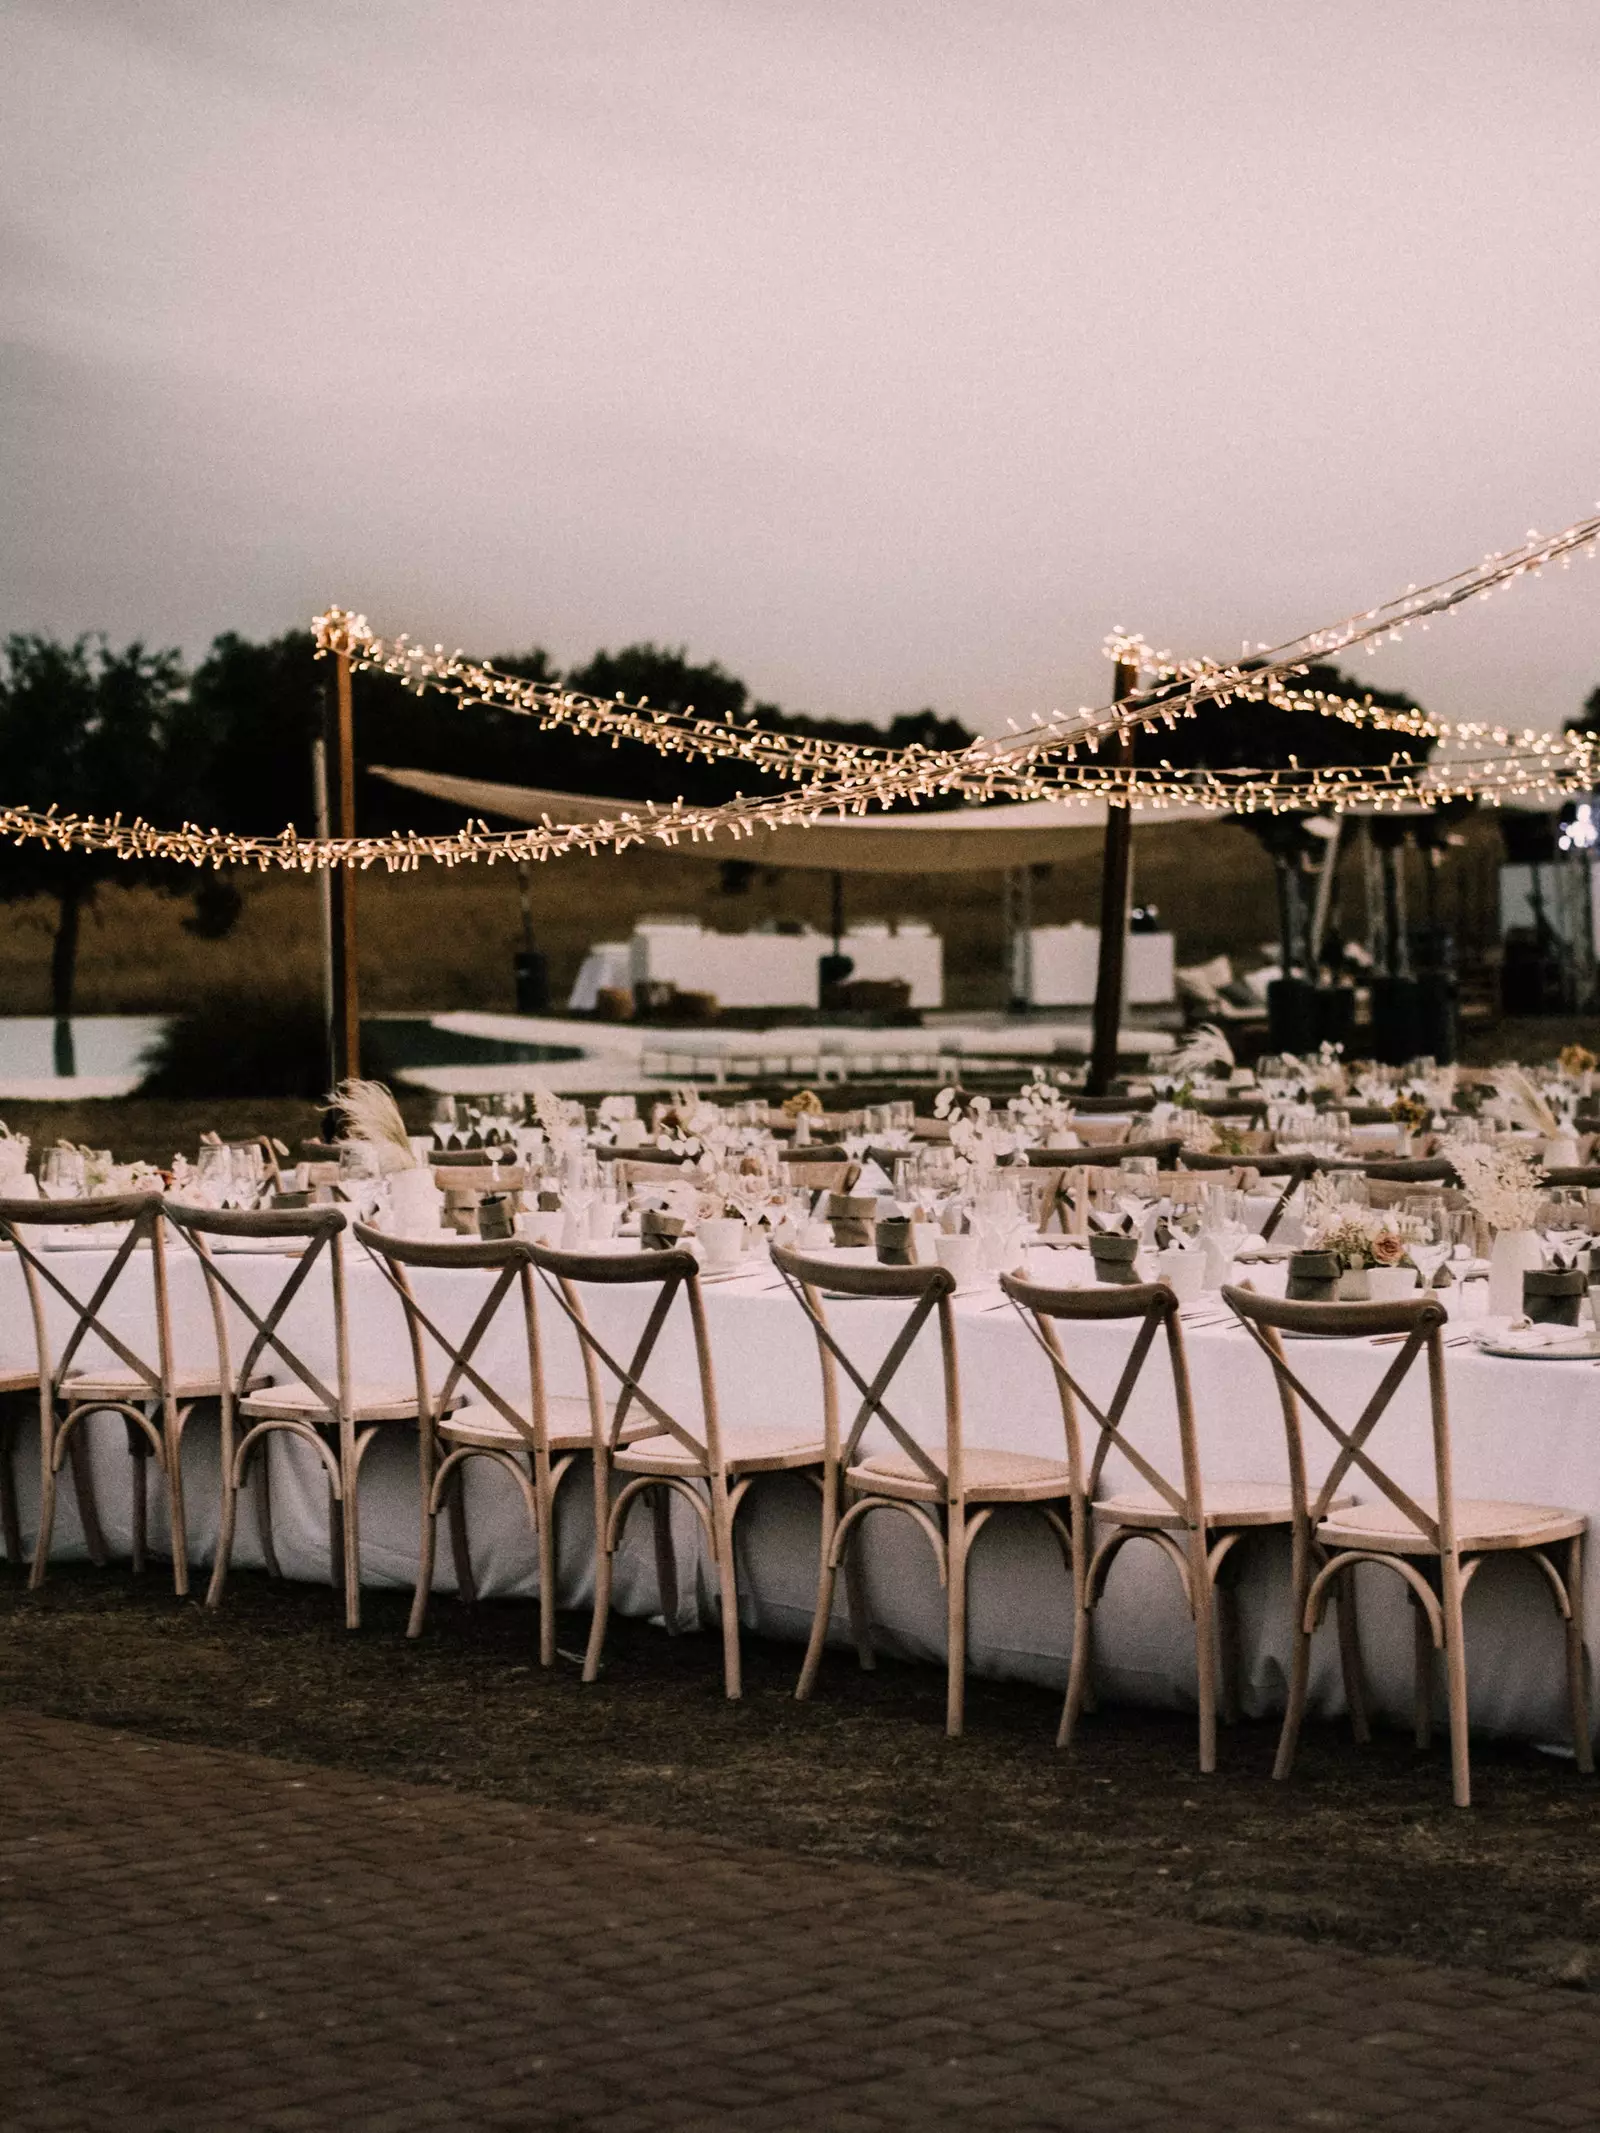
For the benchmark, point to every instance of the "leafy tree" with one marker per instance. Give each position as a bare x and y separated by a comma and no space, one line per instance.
252,713
92,731
1253,736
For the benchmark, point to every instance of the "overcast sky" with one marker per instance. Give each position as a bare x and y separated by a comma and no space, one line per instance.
891,354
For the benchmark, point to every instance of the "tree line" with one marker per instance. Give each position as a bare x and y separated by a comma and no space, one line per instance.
94,729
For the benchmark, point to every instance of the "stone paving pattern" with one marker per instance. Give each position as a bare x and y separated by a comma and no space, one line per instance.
207,1940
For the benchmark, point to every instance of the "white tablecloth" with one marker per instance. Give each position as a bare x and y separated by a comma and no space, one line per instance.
1529,1431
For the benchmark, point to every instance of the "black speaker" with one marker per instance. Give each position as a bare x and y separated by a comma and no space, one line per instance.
1396,1021
533,982
1292,1015
1436,1013
1336,1016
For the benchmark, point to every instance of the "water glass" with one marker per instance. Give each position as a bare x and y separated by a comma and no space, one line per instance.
61,1173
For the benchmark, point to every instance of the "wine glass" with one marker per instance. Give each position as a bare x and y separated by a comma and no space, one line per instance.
580,1185
359,1175
1426,1235
1564,1220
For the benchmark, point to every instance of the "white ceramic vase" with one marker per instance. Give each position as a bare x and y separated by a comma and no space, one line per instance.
1513,1252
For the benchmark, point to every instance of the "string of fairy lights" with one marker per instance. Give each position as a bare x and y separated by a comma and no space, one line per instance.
829,779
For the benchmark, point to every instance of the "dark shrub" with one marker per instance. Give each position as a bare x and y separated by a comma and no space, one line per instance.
241,1044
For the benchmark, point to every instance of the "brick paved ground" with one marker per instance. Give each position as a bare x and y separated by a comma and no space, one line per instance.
199,1939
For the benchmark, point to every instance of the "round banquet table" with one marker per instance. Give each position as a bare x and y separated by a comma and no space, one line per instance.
1523,1430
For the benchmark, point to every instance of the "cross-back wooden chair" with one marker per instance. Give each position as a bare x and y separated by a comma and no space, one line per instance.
536,1437
1435,1541
97,1370
662,1451
819,1178
1199,1524
1287,1172
276,1389
948,1490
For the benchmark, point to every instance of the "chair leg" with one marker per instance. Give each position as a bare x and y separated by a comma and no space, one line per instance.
1577,1659
603,1564
1348,1618
728,1588
335,1540
88,1507
1210,1613
1422,1675
955,1705
47,1509
263,1504
225,1526
350,1481
1299,1667
460,1541
822,1613
177,1513
427,1546
1455,1660
139,1453
855,1599
544,1511
666,1557
1078,1668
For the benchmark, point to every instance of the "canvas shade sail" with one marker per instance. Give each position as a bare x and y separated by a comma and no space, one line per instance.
969,840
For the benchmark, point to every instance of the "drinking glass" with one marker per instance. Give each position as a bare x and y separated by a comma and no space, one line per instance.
1427,1237
248,1168
359,1175
61,1173
213,1175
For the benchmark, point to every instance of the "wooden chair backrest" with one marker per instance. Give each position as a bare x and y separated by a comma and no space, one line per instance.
820,1177
321,1231
1418,1320
671,1273
926,1293
510,1262
1111,1106
141,1211
817,1152
1153,1307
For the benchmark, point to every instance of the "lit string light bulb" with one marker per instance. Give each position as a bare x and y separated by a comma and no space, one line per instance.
834,780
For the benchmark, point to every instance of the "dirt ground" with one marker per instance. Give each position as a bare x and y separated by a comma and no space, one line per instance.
1362,1849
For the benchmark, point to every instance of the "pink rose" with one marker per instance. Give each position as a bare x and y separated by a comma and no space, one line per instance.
1387,1249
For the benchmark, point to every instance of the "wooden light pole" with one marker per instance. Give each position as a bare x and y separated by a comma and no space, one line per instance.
1115,884
345,1018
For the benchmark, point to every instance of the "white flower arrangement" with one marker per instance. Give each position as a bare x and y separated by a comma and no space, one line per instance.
971,1125
1044,1109
1502,1184
1357,1236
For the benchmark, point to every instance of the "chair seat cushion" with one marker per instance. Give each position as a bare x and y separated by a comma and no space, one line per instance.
1481,1524
1227,1503
747,1448
566,1422
368,1403
990,1477
98,1384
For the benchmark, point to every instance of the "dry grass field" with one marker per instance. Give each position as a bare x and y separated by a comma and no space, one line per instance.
435,940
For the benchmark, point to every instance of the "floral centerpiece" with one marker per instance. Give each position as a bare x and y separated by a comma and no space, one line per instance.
1360,1238
1044,1109
1502,1187
971,1123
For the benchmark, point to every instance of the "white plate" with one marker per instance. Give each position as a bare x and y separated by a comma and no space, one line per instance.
1581,1348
